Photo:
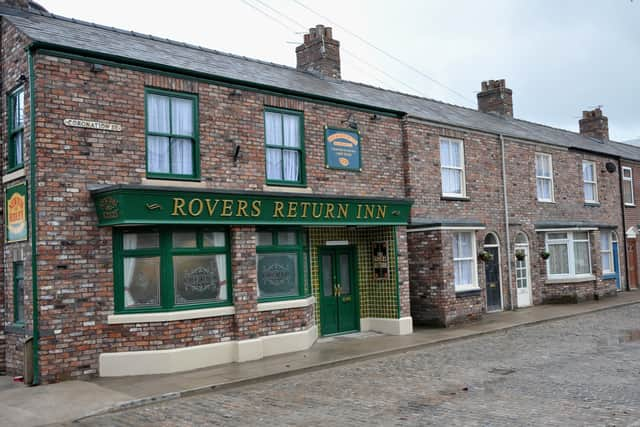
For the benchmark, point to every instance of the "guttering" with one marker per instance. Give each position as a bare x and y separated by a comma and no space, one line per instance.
506,219
34,217
140,65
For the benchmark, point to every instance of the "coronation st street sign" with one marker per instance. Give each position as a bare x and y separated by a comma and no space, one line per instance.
145,206
91,124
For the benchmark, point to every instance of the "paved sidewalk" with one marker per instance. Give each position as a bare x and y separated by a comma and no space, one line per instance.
72,400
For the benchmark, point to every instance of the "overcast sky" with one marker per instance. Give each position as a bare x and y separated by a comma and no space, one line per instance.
559,57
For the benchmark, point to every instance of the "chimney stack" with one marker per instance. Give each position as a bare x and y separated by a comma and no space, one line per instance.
495,97
320,53
595,125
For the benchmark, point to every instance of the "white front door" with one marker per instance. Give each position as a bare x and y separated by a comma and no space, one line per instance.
523,283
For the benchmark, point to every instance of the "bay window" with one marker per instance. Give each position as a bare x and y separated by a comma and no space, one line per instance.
464,261
569,254
172,135
170,269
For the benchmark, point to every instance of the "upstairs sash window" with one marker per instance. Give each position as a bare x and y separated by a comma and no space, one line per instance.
590,181
544,177
16,129
452,167
284,147
627,186
172,141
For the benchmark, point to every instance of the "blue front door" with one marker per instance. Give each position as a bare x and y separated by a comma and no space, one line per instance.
616,264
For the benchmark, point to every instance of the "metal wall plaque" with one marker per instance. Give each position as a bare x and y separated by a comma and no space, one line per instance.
342,149
91,124
380,260
16,208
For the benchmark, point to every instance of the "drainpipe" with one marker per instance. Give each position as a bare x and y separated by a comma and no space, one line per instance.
34,218
624,227
506,218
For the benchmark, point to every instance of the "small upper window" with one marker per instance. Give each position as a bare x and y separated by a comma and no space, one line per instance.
627,186
172,135
284,147
16,129
590,181
544,177
452,167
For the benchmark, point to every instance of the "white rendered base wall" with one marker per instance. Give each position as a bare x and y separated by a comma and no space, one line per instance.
202,356
402,326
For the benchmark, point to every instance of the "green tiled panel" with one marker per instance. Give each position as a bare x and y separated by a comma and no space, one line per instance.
378,298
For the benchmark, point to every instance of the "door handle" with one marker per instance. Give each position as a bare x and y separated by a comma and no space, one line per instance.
339,286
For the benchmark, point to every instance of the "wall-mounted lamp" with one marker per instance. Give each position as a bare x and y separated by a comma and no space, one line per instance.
351,122
236,152
236,92
22,79
375,117
97,68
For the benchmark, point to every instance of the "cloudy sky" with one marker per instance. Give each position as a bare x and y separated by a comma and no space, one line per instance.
559,57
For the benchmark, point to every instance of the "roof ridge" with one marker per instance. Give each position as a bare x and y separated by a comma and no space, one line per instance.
152,37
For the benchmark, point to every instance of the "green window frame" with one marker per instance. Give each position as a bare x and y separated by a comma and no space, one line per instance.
168,267
274,246
169,131
15,128
276,145
18,292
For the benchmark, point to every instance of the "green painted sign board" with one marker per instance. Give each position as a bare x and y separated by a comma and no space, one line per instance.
342,149
120,205
16,213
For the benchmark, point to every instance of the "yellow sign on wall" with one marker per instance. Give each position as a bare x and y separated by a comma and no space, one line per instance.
16,209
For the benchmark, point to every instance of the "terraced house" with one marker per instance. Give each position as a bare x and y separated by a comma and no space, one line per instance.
169,207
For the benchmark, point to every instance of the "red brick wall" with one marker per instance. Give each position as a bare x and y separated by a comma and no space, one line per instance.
75,271
632,218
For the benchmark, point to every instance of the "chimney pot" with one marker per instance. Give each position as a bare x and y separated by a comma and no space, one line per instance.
495,97
319,53
594,124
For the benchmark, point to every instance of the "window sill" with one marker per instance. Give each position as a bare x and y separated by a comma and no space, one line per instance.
283,305
164,182
12,176
609,276
577,279
287,189
552,202
473,292
455,198
629,205
15,328
592,204
118,319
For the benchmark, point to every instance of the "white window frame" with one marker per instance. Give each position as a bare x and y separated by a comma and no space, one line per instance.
594,183
630,179
463,175
474,273
608,252
541,177
570,242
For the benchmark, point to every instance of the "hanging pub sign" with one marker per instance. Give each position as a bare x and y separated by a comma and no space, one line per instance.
16,209
342,149
380,261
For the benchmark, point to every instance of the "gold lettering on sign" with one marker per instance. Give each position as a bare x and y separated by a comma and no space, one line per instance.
382,211
242,208
211,209
305,207
227,208
330,208
256,208
197,211
343,209
277,210
368,211
292,212
315,214
178,206
358,216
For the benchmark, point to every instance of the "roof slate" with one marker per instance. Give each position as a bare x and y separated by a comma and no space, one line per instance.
70,33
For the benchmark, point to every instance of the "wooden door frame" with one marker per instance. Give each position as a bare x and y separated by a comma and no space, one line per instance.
497,245
353,269
530,285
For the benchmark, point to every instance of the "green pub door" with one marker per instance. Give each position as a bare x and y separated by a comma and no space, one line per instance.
339,291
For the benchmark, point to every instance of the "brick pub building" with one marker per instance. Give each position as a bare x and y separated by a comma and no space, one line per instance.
170,207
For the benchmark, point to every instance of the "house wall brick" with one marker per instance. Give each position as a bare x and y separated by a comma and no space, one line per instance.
632,223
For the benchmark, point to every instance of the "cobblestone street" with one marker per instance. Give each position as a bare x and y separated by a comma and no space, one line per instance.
580,371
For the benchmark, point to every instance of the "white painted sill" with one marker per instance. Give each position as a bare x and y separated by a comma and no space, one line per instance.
283,305
285,189
173,183
13,176
571,280
119,319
